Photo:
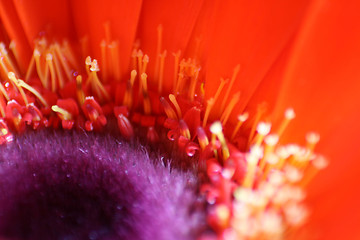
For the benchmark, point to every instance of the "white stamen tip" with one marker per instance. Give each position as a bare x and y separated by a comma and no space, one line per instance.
290,114
216,127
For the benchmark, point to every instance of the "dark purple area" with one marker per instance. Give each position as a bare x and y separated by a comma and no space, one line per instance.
56,185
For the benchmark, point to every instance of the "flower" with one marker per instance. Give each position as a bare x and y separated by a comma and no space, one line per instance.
290,54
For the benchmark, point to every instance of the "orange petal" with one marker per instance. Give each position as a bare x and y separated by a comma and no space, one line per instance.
321,82
42,16
122,16
15,31
252,34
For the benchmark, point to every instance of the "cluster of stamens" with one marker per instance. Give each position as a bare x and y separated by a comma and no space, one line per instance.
254,195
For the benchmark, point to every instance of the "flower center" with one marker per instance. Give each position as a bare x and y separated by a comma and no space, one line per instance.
77,186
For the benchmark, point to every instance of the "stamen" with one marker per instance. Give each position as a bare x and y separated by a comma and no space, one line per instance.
263,129
63,62
233,78
145,63
252,158
65,115
241,119
158,51
177,107
259,112
115,59
4,53
289,115
128,99
4,93
161,71
12,77
57,68
176,69
96,81
170,113
38,65
202,138
226,114
312,139
319,163
193,82
79,91
104,65
12,47
270,143
21,83
210,103
147,103
184,129
216,128
49,61
180,76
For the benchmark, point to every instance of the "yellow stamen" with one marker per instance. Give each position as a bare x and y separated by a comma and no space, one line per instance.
38,65
318,163
202,138
259,112
216,128
170,113
30,68
97,85
210,103
65,115
4,93
63,61
69,54
129,90
176,69
184,129
177,107
79,91
115,59
262,129
104,65
4,53
270,143
147,103
12,47
289,115
252,159
226,114
233,78
158,51
57,68
21,83
193,82
12,77
145,63
50,64
312,139
241,119
161,71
